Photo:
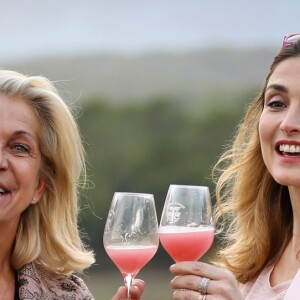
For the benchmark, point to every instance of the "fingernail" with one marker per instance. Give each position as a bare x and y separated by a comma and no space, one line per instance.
135,287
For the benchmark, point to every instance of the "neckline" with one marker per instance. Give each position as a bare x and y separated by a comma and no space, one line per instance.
281,285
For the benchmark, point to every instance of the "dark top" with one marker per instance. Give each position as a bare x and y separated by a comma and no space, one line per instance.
36,282
16,287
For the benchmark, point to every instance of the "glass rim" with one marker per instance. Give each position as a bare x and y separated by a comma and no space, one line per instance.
133,194
188,186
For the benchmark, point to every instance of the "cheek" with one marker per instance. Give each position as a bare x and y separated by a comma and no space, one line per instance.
264,136
28,173
266,127
261,130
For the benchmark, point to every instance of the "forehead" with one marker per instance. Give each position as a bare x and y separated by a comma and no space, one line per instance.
18,112
287,72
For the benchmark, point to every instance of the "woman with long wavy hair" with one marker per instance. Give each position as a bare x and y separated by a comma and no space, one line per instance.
258,198
42,171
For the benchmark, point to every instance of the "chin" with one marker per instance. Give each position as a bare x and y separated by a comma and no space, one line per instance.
288,181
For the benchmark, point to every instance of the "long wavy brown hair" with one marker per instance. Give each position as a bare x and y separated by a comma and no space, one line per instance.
253,211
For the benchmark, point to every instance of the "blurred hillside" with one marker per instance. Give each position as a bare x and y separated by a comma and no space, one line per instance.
180,76
147,122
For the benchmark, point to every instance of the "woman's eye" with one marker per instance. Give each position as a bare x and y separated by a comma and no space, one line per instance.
20,148
275,104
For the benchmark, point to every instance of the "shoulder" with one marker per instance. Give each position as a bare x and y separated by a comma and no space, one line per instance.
36,281
258,285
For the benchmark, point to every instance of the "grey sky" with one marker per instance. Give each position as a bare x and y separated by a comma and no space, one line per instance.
35,28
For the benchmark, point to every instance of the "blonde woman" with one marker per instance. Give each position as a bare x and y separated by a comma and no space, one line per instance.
41,168
258,198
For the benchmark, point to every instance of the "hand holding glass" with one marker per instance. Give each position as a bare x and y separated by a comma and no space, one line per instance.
131,233
186,227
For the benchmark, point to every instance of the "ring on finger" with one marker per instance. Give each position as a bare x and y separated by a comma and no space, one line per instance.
203,284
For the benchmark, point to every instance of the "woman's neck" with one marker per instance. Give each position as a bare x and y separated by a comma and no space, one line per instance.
7,283
7,272
295,202
7,237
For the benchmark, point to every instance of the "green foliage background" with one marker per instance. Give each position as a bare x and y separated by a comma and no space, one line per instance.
145,148
138,141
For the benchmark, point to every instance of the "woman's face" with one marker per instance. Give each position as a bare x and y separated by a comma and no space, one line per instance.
279,126
20,158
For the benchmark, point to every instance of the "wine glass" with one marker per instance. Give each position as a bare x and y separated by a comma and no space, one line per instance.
186,228
131,233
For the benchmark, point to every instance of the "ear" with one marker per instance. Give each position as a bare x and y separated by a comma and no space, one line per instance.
40,188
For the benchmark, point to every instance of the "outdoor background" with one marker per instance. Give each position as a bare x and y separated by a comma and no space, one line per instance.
158,88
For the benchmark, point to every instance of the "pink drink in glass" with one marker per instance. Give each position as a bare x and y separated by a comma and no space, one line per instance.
130,259
186,243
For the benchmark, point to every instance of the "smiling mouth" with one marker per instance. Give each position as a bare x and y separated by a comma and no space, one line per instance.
289,150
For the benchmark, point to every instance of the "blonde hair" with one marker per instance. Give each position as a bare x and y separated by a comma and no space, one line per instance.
253,210
48,231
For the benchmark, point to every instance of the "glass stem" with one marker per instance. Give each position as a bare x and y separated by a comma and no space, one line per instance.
128,282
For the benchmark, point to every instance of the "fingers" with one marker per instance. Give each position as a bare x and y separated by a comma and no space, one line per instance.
191,283
199,269
121,294
197,280
191,295
136,291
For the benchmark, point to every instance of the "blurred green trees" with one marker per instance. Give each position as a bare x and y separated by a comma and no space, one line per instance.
147,147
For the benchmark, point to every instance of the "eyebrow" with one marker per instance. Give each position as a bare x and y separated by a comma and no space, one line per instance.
23,132
277,87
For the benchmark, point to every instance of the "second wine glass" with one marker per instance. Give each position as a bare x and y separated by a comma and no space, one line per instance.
186,227
131,233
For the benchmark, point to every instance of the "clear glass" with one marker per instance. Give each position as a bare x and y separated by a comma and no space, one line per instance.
186,227
131,233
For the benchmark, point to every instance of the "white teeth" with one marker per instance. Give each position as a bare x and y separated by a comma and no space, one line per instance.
290,148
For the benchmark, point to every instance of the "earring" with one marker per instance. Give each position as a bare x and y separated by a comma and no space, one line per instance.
33,200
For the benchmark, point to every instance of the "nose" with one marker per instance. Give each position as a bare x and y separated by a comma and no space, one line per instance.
290,124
